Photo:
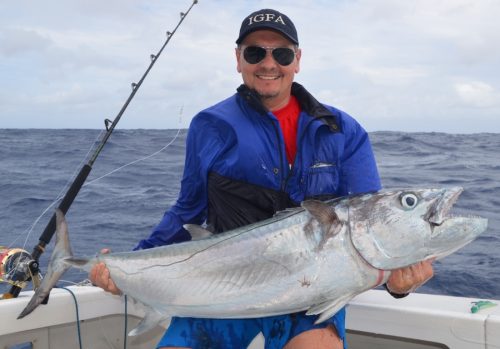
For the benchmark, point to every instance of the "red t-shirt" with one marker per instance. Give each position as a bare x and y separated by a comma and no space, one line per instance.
288,117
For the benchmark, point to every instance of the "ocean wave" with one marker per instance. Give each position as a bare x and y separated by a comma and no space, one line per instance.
119,209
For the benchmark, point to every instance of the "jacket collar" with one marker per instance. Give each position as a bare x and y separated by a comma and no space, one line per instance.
307,102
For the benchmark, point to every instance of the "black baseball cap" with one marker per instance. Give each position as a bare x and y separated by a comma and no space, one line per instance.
268,19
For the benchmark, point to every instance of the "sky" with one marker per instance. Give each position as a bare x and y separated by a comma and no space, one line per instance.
413,65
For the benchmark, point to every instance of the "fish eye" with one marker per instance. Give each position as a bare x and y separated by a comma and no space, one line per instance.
409,201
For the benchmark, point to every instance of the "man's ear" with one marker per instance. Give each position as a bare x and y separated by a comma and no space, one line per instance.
297,56
238,55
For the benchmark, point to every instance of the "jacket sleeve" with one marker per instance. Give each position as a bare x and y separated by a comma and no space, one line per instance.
202,146
359,172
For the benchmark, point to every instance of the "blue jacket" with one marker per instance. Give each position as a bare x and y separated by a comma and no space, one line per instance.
236,171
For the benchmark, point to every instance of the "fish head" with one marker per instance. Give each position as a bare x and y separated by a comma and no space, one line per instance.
398,228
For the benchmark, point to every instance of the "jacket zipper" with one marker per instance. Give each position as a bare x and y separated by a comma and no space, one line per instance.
292,168
298,147
281,169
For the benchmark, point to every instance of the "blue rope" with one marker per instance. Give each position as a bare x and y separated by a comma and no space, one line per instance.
126,320
77,315
78,319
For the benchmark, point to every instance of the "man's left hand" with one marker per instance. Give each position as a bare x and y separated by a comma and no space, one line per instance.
406,280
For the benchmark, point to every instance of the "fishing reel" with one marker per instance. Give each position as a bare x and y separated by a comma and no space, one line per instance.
18,267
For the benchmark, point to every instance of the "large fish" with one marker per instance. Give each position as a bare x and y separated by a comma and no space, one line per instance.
313,258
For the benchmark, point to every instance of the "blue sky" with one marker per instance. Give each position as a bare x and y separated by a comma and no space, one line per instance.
415,65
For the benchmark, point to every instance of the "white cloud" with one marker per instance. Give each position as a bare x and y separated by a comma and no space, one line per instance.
389,76
478,94
16,41
421,61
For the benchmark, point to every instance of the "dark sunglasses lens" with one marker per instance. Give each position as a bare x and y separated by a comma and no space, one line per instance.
283,55
254,54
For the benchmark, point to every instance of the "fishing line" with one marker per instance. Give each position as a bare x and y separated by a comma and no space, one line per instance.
84,172
17,268
72,283
135,161
61,193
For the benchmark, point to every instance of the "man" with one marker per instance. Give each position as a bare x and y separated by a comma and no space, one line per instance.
266,148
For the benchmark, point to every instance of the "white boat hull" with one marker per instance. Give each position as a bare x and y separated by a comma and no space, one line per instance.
374,320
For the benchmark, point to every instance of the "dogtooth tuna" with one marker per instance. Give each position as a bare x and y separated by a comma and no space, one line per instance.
314,258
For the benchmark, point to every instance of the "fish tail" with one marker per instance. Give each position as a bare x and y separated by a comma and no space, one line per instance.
57,265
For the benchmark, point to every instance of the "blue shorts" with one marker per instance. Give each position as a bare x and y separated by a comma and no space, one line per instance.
238,333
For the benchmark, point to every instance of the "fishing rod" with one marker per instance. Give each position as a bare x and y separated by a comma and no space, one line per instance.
17,266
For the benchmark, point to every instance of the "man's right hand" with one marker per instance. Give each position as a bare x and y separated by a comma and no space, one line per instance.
99,276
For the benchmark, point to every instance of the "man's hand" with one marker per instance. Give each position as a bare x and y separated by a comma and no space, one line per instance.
406,280
99,276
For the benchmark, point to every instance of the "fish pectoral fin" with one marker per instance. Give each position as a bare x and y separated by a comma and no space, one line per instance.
328,309
325,215
150,321
197,232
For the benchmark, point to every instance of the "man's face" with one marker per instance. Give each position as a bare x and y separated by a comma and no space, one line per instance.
271,80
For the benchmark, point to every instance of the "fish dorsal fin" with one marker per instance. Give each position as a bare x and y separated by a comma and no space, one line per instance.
150,320
325,215
197,232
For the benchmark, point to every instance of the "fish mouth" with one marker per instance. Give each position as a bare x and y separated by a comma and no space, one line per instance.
450,232
440,209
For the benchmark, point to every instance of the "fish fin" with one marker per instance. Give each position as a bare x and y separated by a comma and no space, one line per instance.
325,215
286,212
57,265
319,308
150,320
328,309
197,232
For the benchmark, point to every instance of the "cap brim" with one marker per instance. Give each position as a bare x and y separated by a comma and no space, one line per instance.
245,34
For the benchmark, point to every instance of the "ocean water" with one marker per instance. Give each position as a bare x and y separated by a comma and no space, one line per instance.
119,209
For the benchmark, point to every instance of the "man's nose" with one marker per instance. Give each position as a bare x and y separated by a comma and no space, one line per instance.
269,59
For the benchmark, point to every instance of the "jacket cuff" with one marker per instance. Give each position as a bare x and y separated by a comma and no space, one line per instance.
395,295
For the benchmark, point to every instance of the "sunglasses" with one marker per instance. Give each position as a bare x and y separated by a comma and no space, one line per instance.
282,55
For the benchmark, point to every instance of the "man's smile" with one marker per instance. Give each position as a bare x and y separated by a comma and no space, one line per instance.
268,77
